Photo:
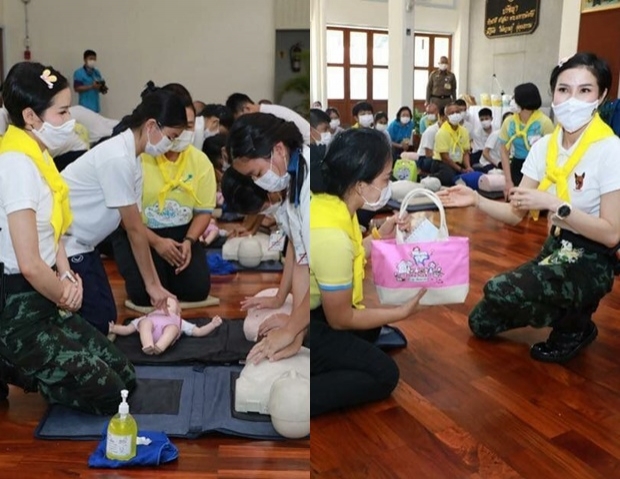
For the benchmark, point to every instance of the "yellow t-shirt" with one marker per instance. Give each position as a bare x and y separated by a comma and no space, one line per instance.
454,142
331,263
180,205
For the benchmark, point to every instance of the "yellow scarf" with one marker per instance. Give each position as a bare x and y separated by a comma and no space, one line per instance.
521,131
177,182
455,135
17,140
597,130
328,211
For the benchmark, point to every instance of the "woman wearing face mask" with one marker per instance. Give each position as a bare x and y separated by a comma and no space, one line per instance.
334,121
207,123
41,335
178,198
400,131
520,131
346,368
106,187
271,152
573,174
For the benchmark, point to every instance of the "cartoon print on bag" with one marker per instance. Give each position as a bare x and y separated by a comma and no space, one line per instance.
417,271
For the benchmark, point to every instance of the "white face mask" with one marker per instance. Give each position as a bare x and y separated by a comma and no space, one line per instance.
335,123
326,138
55,137
431,117
486,123
91,63
405,119
443,67
271,209
455,118
573,114
384,197
381,126
182,142
514,107
210,133
271,182
161,147
366,120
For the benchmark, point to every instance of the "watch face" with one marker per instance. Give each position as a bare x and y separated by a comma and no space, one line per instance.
563,211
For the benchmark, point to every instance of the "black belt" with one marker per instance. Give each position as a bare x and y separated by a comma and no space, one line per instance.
580,241
443,97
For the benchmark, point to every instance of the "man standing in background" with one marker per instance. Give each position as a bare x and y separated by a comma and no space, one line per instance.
441,87
88,82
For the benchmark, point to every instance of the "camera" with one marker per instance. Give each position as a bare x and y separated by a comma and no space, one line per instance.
103,88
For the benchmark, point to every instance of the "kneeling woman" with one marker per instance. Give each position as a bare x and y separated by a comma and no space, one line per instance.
178,197
346,368
56,351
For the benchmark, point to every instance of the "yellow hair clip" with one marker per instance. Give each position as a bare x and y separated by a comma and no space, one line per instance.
48,78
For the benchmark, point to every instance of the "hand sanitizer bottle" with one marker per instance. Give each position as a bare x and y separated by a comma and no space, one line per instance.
122,433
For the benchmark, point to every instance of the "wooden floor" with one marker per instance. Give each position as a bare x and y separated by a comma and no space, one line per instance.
22,456
467,408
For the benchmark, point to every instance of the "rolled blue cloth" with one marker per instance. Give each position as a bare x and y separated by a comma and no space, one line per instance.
159,451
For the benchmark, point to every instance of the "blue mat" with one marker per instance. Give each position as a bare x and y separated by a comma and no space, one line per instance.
395,205
265,266
391,338
181,401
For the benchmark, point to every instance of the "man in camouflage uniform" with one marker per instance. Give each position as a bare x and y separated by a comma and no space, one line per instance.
560,288
441,86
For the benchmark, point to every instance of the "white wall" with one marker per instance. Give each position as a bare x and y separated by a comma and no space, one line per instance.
292,14
213,47
569,34
515,60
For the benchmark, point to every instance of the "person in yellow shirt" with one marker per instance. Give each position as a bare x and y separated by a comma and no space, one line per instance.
178,198
451,150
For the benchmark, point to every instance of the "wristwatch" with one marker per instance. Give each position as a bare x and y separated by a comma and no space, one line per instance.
563,211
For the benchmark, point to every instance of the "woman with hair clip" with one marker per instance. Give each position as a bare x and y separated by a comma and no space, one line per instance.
271,151
178,197
572,173
105,187
45,341
346,368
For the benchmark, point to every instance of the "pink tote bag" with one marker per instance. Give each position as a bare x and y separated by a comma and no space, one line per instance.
441,266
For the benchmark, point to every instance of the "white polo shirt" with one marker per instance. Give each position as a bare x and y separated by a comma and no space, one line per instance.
289,115
98,126
102,180
295,220
23,188
428,139
595,175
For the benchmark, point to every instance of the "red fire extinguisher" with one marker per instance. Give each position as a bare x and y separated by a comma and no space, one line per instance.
295,56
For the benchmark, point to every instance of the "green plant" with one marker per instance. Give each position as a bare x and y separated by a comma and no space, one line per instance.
417,116
300,85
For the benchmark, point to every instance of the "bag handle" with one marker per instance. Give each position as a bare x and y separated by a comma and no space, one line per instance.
443,227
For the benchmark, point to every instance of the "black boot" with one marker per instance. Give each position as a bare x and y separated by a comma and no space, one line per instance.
572,332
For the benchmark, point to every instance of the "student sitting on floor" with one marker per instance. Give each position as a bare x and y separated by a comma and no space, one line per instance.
177,202
159,330
491,154
427,142
347,369
481,135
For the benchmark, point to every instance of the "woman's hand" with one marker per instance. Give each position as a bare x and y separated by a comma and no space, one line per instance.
274,321
186,253
279,344
262,302
159,297
507,187
71,298
525,199
170,250
411,306
458,196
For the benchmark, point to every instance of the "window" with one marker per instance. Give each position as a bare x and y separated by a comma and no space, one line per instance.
428,49
357,69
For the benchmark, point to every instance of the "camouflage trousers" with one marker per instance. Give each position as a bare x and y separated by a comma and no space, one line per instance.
562,293
69,361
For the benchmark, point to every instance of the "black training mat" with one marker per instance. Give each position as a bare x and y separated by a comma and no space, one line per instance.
492,195
430,206
225,345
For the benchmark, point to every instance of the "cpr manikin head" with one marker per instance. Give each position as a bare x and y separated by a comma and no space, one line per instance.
289,405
